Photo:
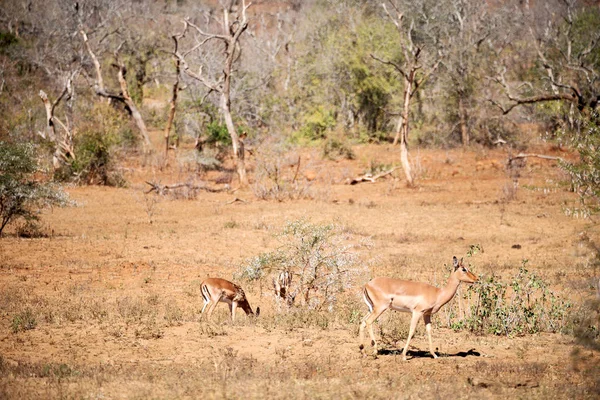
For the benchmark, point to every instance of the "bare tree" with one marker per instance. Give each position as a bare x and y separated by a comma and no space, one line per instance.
233,25
417,65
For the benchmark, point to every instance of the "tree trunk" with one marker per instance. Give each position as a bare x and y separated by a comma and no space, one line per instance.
97,65
238,146
405,129
464,130
135,114
173,104
399,129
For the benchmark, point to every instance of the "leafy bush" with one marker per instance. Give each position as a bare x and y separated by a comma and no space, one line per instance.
322,261
523,305
20,194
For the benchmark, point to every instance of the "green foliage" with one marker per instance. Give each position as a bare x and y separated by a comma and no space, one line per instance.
523,305
340,85
217,134
585,174
321,259
315,125
21,195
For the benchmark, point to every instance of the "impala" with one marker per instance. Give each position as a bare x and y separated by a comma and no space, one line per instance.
420,299
215,290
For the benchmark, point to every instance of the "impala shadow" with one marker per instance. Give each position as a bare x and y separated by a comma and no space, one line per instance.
427,354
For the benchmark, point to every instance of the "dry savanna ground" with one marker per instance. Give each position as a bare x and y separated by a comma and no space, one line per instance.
106,304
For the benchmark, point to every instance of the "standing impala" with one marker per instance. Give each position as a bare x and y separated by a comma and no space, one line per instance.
215,290
420,299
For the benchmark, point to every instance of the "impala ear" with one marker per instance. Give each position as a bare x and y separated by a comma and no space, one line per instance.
455,262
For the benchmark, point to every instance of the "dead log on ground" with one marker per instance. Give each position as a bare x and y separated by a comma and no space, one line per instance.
371,178
162,189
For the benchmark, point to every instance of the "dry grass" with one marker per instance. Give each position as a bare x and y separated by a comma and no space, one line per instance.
107,304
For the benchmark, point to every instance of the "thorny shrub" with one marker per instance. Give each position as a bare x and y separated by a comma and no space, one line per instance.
323,262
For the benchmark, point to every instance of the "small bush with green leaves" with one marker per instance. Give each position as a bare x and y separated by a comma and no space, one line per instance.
323,262
21,195
523,305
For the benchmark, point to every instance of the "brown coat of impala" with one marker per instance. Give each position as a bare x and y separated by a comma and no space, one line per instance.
420,299
215,290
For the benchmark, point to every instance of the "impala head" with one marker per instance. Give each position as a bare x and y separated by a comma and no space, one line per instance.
245,305
462,272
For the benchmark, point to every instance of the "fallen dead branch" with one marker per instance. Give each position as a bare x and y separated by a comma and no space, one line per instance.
372,178
235,200
162,189
543,156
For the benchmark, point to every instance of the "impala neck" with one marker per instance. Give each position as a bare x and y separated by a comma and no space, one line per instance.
447,293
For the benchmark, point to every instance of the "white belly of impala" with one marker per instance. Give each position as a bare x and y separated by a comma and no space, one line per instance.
405,303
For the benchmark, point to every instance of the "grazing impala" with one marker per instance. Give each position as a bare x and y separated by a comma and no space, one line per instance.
215,290
420,299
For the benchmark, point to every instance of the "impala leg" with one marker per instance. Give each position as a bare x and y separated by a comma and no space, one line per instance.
203,308
427,320
413,325
368,322
361,330
211,308
232,308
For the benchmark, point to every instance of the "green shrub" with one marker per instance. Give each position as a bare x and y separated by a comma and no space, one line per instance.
523,305
21,195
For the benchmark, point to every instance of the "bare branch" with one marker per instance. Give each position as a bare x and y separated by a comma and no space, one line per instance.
393,64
